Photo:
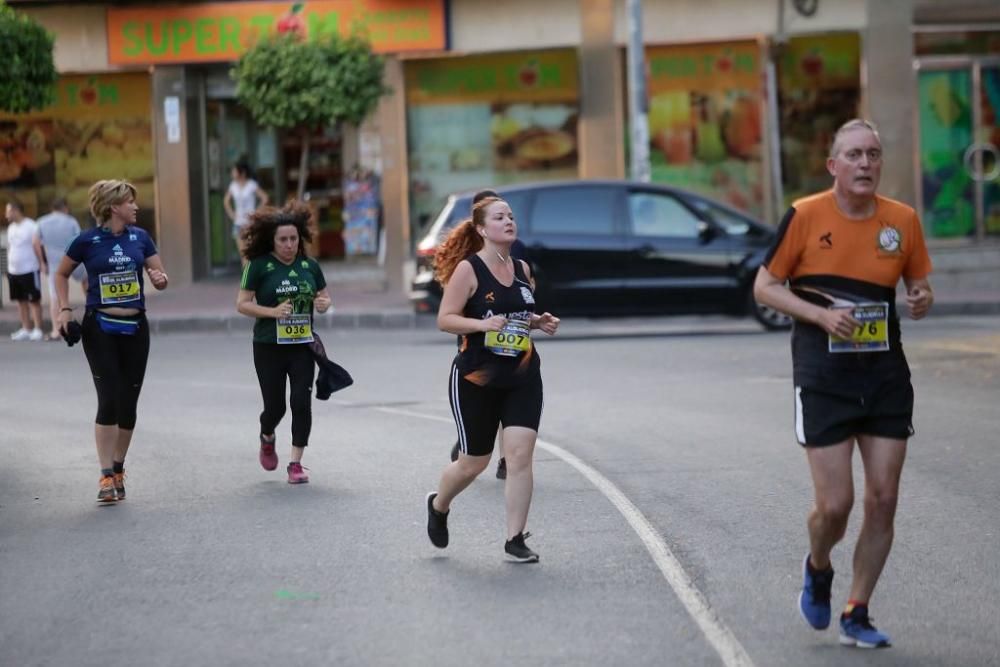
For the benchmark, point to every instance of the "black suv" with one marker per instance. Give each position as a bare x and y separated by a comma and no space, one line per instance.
621,248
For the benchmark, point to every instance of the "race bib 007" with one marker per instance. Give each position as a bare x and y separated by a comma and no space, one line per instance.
513,339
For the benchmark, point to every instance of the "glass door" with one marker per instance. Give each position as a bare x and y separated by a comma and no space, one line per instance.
231,137
959,135
986,155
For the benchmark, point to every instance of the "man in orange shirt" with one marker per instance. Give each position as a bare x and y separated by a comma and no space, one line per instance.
842,253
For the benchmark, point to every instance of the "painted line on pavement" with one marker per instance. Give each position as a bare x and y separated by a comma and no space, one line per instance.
715,630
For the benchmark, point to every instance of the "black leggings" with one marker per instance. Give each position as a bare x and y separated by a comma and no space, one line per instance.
274,363
118,364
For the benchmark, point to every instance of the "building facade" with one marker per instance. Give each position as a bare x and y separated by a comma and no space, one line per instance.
742,99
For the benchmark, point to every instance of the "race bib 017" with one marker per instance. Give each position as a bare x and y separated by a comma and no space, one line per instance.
119,287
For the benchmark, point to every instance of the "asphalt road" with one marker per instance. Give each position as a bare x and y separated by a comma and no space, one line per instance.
669,511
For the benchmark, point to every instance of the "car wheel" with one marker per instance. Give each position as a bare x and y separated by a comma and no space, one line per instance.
769,318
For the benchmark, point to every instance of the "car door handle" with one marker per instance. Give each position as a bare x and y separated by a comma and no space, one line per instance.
646,250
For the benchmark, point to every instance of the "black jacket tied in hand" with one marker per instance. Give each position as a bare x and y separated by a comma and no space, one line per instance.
72,333
332,377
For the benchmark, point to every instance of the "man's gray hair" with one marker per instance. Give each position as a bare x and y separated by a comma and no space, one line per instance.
853,124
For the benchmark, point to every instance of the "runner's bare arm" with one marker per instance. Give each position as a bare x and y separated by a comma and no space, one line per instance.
322,300
245,305
919,297
154,268
770,291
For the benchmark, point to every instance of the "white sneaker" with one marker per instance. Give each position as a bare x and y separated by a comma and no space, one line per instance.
20,334
36,334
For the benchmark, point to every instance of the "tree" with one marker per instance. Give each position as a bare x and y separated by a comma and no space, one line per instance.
28,75
289,82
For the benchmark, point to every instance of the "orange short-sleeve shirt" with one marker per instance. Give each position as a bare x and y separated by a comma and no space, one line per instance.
817,239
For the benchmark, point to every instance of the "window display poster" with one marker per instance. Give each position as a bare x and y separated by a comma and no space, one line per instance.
706,120
361,212
945,99
819,89
489,120
98,127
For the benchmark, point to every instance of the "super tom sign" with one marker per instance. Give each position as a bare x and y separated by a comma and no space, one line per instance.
216,32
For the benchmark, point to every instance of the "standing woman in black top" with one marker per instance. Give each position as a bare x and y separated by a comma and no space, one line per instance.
496,376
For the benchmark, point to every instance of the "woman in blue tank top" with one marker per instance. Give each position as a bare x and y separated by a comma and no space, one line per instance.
114,329
496,376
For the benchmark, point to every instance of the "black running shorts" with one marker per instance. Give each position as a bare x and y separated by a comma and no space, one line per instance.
881,407
478,410
25,287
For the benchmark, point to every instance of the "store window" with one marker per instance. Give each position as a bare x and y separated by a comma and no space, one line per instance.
819,89
706,120
489,120
97,128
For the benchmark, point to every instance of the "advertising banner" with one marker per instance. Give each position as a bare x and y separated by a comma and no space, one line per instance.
487,120
99,127
705,120
221,31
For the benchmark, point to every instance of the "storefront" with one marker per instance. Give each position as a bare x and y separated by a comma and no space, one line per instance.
195,45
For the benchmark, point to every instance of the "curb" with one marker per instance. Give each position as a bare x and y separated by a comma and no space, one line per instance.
240,324
405,319
327,321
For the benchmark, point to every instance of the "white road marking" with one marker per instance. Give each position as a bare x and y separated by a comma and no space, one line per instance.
715,630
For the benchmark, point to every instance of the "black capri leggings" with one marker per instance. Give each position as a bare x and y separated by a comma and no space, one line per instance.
274,363
118,364
478,411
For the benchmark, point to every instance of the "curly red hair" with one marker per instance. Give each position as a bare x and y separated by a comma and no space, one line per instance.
463,241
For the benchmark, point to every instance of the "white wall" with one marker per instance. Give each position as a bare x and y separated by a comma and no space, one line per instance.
81,35
491,25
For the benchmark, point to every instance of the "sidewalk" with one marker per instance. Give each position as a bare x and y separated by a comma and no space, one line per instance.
358,290
361,300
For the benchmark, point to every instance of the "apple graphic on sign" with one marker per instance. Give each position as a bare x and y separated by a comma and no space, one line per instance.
292,23
812,64
88,95
528,76
724,64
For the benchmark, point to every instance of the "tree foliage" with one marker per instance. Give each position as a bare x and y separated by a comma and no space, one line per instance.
28,74
287,82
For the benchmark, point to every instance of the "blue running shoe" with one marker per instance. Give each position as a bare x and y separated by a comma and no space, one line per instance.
814,600
856,629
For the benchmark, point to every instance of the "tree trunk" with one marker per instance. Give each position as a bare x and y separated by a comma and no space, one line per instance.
303,164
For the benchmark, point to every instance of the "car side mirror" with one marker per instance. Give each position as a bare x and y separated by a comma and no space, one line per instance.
706,232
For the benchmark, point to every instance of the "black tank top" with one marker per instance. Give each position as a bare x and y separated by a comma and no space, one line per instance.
475,362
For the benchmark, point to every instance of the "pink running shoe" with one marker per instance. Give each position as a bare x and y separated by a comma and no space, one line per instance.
268,457
297,474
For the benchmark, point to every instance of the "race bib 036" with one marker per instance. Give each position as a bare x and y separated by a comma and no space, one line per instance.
294,329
